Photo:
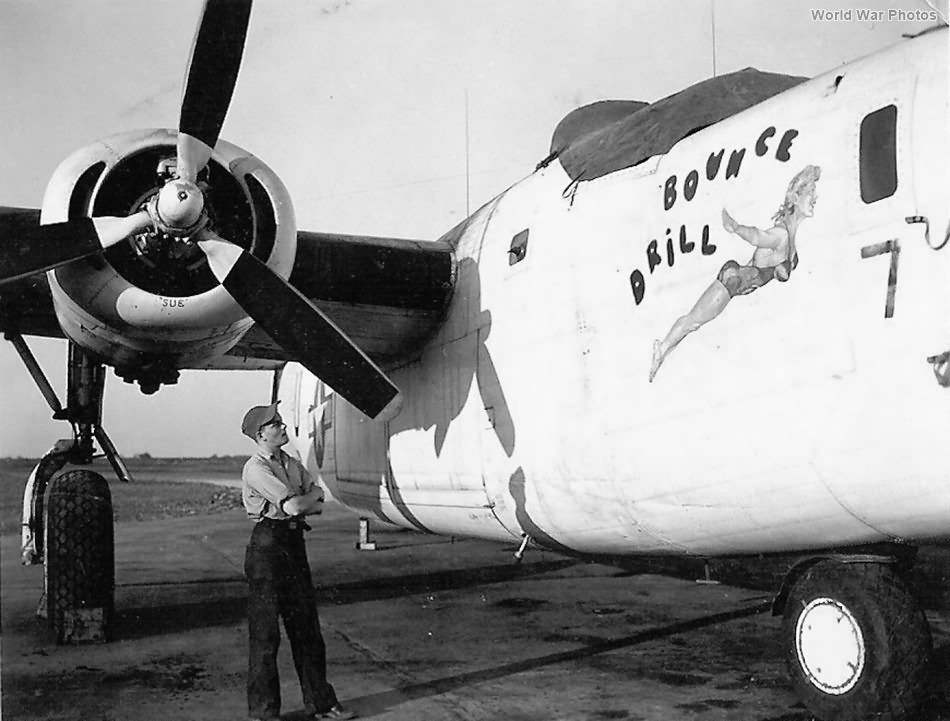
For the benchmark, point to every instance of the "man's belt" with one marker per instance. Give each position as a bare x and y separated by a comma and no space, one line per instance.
291,524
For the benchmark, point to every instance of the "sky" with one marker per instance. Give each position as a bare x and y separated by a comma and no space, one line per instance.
381,117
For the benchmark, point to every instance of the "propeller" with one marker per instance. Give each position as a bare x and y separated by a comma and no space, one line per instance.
212,73
287,316
43,247
300,328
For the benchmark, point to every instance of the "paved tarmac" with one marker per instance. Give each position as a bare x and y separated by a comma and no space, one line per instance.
424,628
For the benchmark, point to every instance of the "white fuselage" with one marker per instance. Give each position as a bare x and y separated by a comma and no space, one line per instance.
805,415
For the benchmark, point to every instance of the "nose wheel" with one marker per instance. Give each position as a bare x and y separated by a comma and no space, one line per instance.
857,643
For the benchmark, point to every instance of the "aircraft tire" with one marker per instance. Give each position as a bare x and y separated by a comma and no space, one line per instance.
858,645
80,557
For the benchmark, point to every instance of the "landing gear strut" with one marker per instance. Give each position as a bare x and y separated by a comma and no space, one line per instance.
69,529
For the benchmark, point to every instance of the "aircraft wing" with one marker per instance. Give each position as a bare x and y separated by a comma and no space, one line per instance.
25,305
384,293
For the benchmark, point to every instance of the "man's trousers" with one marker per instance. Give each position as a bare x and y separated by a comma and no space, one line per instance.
279,584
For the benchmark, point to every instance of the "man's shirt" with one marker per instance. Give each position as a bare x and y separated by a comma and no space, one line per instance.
269,480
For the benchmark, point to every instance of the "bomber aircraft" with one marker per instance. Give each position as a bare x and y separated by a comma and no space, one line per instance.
714,325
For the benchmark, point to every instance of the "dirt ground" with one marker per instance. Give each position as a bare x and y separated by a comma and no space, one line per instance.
422,629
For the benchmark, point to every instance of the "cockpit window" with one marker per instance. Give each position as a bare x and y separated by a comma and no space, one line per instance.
879,154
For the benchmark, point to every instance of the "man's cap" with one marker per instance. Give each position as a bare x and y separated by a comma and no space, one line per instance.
257,417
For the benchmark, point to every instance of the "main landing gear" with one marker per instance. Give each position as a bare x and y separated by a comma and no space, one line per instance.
858,645
67,519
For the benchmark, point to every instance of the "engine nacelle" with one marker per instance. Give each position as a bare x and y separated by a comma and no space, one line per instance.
150,305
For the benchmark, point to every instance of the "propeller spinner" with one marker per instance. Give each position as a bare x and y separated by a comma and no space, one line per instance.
178,209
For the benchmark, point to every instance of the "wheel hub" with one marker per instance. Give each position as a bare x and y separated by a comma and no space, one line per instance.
830,646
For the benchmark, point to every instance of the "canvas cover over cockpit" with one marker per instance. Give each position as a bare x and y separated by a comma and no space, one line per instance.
610,135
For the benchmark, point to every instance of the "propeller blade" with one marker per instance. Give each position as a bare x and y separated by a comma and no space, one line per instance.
301,329
212,73
44,247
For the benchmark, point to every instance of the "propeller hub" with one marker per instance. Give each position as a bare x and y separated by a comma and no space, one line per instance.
180,204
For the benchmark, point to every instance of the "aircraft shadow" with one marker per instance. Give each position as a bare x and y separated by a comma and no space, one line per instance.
937,706
378,589
227,605
929,577
386,700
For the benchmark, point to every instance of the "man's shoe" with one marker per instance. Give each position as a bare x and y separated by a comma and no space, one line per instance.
337,712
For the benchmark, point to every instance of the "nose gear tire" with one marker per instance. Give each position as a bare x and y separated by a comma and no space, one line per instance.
858,645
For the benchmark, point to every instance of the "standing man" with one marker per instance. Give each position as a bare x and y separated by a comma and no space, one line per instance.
278,492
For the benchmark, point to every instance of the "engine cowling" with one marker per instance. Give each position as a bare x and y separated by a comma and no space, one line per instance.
150,305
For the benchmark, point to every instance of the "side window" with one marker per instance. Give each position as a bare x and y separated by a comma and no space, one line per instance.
518,248
878,152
